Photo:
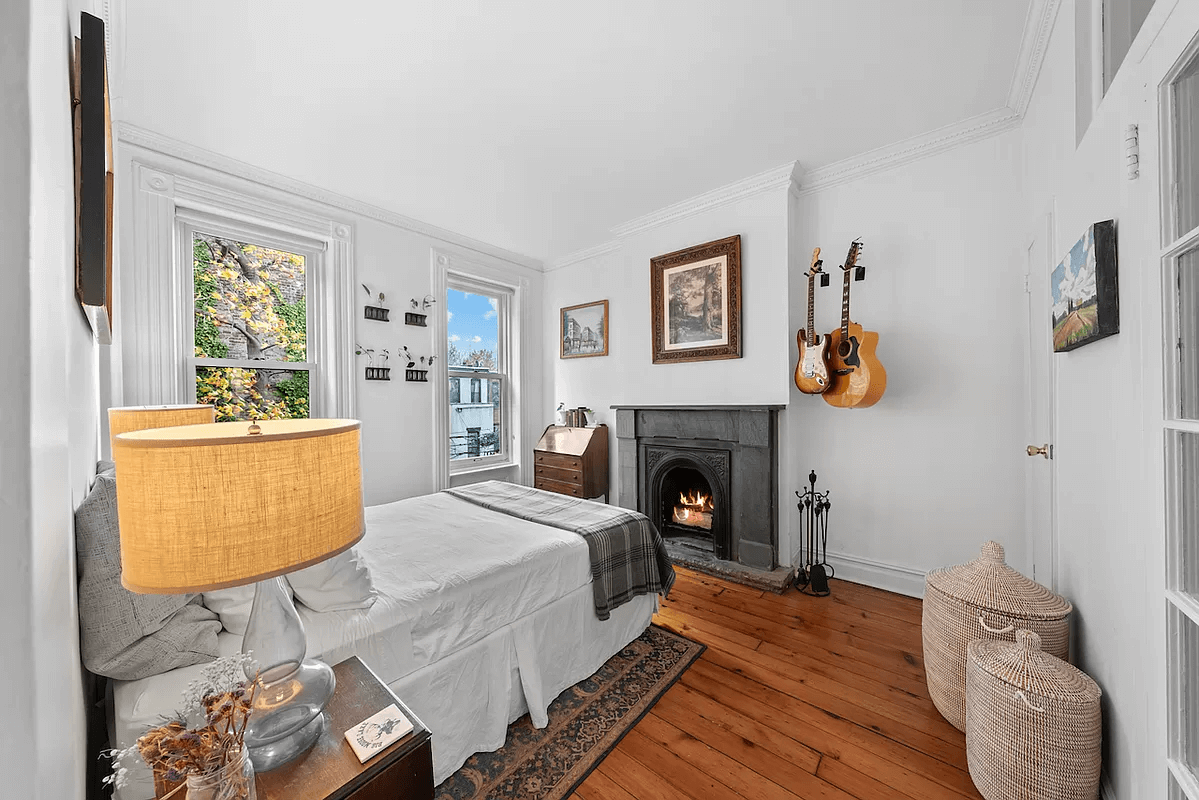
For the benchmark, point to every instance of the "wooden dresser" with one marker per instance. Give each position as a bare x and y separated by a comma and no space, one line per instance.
572,461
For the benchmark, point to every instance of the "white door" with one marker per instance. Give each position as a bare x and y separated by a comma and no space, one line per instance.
1038,447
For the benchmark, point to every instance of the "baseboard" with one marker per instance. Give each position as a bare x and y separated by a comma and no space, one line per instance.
1106,792
880,575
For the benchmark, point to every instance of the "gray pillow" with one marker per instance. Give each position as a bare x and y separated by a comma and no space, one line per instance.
125,635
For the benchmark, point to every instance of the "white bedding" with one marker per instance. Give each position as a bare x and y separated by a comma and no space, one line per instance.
510,596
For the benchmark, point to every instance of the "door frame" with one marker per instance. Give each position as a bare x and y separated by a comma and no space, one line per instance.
1043,231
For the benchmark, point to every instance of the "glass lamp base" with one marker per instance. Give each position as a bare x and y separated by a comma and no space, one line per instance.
287,718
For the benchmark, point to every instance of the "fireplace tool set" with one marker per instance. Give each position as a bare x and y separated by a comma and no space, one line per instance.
813,571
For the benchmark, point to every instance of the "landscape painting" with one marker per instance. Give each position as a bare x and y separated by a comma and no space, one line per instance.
696,297
1086,304
584,330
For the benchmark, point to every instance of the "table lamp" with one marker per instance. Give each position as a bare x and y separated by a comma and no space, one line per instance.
205,507
138,418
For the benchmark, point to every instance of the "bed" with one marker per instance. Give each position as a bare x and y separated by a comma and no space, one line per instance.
480,618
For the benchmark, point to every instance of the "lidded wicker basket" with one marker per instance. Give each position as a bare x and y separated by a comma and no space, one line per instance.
1033,725
985,599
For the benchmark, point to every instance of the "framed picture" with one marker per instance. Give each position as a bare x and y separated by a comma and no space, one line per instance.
1086,297
695,299
584,330
92,126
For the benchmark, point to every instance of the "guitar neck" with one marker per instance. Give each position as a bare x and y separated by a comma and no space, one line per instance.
845,305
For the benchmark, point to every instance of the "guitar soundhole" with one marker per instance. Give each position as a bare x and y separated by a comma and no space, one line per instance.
844,349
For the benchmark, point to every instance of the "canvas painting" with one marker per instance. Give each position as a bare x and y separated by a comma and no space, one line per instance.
696,297
1086,302
584,330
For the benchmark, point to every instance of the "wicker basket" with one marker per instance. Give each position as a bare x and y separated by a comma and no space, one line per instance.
985,599
1033,726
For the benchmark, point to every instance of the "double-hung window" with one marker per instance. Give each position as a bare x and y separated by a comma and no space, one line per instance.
478,363
250,342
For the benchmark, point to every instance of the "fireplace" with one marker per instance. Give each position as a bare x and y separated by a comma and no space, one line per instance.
688,496
706,476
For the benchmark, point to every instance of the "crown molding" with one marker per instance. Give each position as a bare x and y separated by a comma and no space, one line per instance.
1038,27
134,136
926,144
779,177
583,255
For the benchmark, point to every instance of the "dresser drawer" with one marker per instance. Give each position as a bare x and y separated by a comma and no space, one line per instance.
558,460
571,489
560,474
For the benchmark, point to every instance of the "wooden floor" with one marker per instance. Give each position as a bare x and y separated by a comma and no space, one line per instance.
796,696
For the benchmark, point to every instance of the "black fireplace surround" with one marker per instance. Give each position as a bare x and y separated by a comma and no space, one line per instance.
734,449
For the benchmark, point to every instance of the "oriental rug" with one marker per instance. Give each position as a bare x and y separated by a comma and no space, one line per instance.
585,722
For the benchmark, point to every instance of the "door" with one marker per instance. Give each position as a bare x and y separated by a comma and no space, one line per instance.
1040,521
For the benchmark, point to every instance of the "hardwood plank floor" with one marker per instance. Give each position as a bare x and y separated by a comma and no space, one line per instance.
796,697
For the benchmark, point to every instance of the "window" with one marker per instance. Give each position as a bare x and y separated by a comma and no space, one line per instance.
478,364
250,328
1180,280
1104,31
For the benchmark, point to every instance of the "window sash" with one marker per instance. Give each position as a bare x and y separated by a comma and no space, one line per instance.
189,223
502,373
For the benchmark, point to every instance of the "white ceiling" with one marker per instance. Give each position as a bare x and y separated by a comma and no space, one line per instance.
538,125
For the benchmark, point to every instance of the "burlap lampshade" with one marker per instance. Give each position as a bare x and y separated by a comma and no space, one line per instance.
210,506
139,418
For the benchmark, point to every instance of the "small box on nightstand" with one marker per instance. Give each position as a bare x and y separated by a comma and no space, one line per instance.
331,771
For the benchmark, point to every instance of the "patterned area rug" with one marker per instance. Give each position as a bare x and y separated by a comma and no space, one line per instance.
586,722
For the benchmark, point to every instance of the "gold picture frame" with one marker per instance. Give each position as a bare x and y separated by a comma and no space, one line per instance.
583,330
695,301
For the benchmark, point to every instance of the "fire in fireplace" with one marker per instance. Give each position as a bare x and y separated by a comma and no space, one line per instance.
694,509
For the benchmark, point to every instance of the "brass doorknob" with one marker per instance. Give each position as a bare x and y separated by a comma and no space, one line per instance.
1043,450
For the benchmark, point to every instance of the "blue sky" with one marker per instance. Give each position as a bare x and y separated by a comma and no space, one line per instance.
472,321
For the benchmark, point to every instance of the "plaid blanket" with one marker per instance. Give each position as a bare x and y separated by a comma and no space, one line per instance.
628,556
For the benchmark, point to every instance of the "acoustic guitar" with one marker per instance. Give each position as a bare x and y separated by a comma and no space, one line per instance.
858,377
811,373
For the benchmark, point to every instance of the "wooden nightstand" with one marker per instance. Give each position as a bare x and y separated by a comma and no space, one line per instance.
331,771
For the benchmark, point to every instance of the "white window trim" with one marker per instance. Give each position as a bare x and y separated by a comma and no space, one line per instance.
155,362
466,272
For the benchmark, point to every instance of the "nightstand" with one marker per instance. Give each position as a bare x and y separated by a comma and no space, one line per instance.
331,771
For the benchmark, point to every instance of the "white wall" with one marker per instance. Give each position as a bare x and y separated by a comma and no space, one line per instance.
1108,394
627,375
933,470
397,416
50,421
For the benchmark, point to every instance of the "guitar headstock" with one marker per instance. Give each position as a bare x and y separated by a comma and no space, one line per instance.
815,269
855,252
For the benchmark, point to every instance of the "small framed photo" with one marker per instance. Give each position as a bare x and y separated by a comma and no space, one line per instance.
584,330
695,297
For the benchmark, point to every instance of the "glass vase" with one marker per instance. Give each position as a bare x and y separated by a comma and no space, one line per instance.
234,781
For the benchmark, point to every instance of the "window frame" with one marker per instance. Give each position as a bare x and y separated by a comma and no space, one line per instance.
189,223
152,359
505,296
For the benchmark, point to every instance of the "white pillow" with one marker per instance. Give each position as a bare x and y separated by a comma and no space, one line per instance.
232,606
335,584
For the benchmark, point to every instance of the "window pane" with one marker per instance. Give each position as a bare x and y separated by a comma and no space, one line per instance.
1186,132
250,301
1188,335
475,417
1183,638
473,329
1122,19
240,393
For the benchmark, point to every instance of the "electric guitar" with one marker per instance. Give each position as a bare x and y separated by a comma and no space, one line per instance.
811,373
858,377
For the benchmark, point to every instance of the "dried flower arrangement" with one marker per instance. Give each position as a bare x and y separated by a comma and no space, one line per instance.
203,740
